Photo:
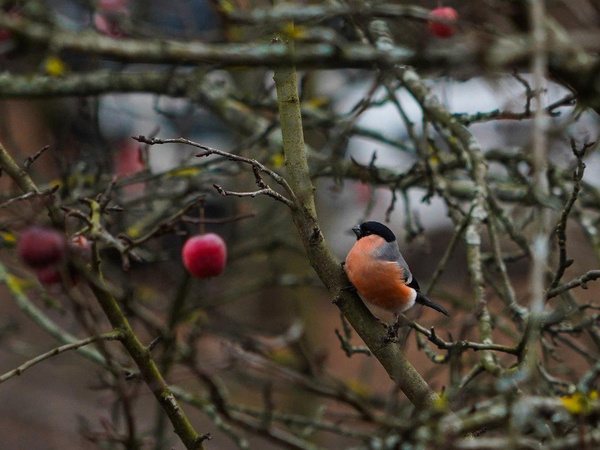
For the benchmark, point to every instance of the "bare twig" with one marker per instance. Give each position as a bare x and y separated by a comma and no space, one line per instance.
29,196
561,228
57,351
576,282
30,159
348,348
257,167
266,191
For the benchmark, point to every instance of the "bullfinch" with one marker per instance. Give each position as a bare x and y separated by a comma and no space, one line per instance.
380,274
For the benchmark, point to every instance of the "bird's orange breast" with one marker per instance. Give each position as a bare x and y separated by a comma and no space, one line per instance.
377,281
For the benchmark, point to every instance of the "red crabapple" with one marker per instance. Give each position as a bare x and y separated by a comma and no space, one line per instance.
204,255
40,246
446,27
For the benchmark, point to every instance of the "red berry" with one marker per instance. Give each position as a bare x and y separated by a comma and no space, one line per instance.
79,241
39,246
205,255
80,246
48,275
446,27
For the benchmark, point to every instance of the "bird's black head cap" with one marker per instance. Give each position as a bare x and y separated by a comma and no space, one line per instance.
369,228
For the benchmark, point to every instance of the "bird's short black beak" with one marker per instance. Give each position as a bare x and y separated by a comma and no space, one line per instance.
356,230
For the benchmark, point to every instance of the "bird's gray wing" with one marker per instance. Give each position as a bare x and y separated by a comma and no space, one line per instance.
390,252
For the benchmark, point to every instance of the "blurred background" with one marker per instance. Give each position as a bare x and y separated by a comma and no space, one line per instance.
268,302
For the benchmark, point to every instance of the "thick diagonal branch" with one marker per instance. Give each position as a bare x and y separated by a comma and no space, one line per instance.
322,260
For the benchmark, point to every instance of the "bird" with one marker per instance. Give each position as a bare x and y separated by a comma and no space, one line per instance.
379,272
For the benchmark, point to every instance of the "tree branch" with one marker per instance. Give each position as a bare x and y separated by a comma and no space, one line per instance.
311,13
25,183
115,335
176,51
369,329
256,167
576,282
134,347
174,84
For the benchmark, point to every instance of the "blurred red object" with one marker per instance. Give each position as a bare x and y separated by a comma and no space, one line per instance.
113,6
445,27
128,162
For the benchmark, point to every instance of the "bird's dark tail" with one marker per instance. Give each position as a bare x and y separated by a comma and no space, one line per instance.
421,299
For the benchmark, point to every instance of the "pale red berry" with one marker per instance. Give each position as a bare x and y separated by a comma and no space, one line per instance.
39,246
80,241
446,27
80,246
205,255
